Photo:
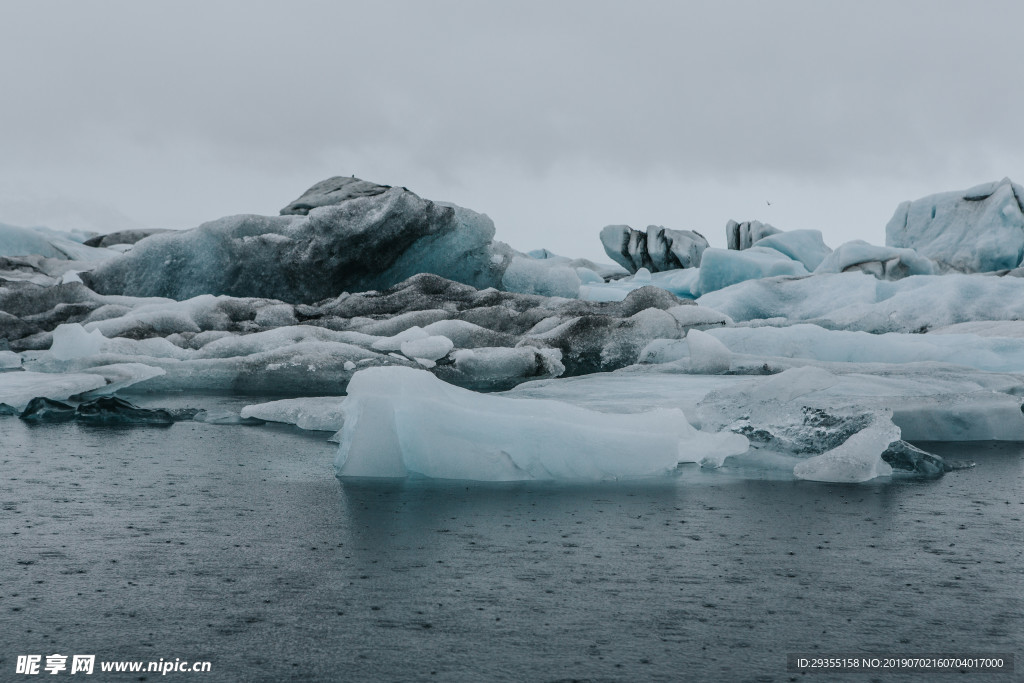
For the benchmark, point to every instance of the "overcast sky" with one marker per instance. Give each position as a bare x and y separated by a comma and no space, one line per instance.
554,118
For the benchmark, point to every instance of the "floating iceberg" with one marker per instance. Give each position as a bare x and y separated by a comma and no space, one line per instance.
401,422
320,413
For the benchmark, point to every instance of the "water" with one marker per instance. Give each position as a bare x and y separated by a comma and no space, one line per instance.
237,545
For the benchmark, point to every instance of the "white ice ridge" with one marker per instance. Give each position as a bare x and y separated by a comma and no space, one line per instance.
321,413
401,422
990,353
18,388
858,301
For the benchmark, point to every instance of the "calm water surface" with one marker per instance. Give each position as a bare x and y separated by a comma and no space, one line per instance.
237,545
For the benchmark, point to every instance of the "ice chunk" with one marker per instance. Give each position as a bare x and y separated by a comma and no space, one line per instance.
659,249
72,341
995,354
225,417
858,459
708,356
699,316
15,241
332,191
978,230
322,413
490,369
18,388
901,455
544,277
682,283
111,410
857,301
400,422
428,348
9,360
276,315
806,246
368,242
720,268
121,376
739,236
885,263
395,342
45,410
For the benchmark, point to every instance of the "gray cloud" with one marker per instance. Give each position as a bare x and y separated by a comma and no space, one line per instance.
542,114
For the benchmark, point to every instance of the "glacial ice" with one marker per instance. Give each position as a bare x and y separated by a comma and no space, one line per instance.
401,422
658,249
708,356
720,268
431,348
994,354
885,263
364,243
794,356
857,459
858,301
974,231
320,413
740,236
806,246
18,388
42,410
16,241
111,410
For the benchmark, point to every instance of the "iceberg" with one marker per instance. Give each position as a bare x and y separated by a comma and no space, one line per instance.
367,242
111,410
740,236
659,249
858,459
974,231
885,263
42,410
994,354
317,413
720,268
859,301
401,422
806,246
19,387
